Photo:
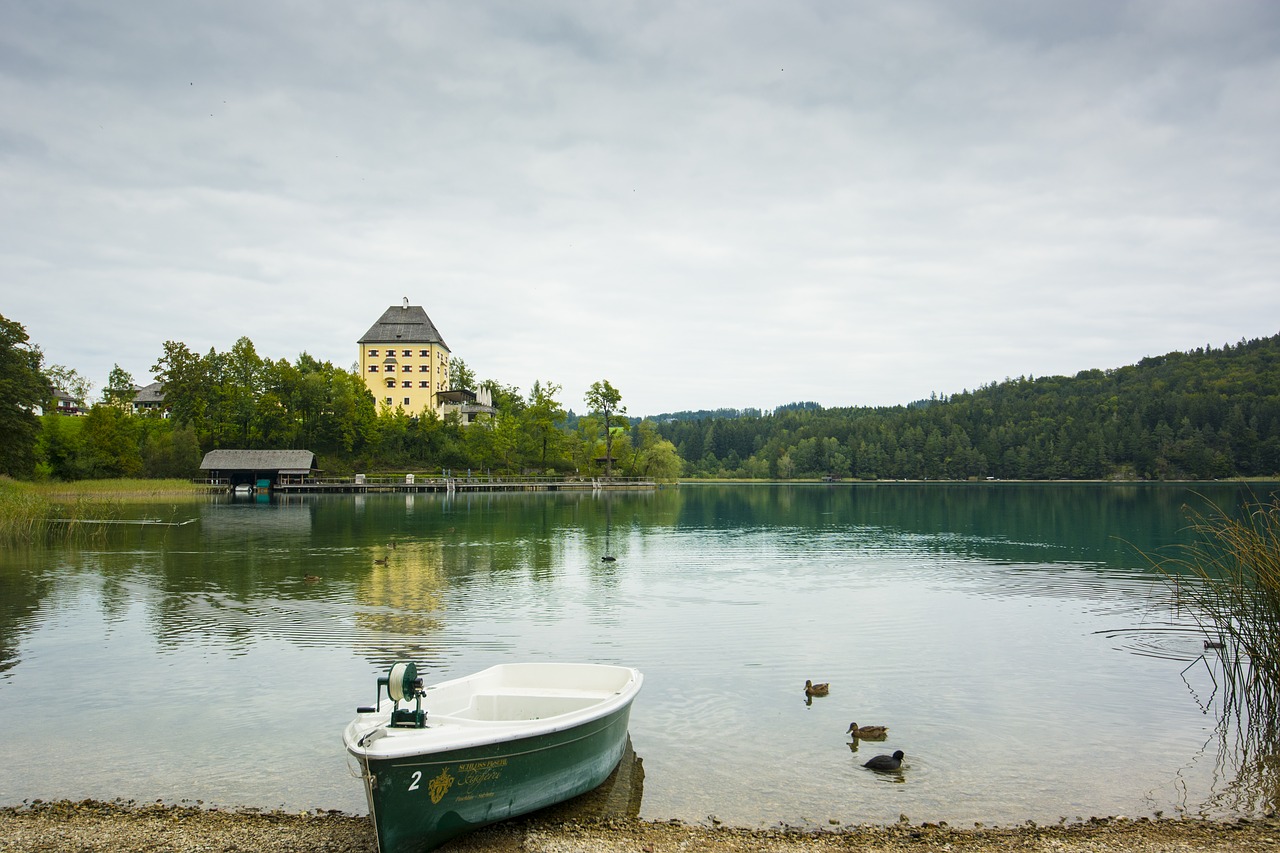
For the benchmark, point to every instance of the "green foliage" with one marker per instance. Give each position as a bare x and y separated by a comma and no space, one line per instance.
1197,415
23,387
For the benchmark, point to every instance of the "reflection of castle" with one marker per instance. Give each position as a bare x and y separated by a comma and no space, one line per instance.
404,594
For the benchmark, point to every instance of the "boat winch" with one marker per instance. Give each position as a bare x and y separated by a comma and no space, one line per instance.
403,684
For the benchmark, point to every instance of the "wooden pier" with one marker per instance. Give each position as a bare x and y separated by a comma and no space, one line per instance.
411,483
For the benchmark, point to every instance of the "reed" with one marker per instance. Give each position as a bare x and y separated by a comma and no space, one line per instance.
1228,578
23,513
1228,581
74,512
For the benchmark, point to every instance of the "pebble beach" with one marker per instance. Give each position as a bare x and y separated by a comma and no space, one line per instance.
91,826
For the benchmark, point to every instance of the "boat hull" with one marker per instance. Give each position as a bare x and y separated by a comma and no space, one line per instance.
420,801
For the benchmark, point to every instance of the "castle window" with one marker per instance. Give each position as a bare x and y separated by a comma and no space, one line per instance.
391,368
426,353
373,352
388,401
406,401
373,368
407,352
391,383
407,384
408,368
424,384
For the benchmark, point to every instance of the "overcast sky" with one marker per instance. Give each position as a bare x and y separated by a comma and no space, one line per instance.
732,204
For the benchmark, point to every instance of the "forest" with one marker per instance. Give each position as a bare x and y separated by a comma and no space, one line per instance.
1201,414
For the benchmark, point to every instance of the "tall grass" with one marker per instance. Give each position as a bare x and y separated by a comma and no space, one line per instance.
70,512
1228,581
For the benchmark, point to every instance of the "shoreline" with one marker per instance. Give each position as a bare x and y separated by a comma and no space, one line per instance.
91,825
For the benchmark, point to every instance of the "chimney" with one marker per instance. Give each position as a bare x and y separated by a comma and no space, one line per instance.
406,303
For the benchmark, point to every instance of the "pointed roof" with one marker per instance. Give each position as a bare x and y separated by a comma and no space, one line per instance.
404,324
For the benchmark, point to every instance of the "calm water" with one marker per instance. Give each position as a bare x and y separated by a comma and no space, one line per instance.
1012,638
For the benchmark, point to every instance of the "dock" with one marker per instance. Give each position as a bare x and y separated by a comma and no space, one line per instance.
361,484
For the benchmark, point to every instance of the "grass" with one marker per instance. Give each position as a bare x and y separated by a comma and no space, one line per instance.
37,512
1228,580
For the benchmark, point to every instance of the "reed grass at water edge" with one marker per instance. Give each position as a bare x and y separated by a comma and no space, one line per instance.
36,512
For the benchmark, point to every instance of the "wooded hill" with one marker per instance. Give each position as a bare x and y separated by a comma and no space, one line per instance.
1204,414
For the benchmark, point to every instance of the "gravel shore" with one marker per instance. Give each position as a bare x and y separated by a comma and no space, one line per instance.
125,828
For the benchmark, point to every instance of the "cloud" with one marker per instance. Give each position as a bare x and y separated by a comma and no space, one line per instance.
708,206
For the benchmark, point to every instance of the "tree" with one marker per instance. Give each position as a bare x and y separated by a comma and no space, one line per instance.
543,418
23,388
71,383
461,377
119,391
607,400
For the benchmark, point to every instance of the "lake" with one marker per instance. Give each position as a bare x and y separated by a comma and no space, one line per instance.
1012,636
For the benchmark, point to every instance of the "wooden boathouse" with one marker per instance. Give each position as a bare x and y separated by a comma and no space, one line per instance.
260,469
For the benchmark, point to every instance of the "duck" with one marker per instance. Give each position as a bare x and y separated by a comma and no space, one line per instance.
811,689
868,732
608,559
311,578
886,762
379,561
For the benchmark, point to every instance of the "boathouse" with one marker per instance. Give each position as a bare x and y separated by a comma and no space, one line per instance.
259,468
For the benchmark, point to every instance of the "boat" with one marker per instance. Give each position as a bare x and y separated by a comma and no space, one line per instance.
449,758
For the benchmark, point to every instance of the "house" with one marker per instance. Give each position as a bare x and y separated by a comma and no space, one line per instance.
468,404
252,467
149,399
65,404
404,361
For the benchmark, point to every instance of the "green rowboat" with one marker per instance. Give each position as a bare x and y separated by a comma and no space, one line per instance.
500,743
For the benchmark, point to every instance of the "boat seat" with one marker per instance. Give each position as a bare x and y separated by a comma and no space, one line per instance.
527,705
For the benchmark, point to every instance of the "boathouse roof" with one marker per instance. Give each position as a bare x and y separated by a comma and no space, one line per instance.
403,324
283,461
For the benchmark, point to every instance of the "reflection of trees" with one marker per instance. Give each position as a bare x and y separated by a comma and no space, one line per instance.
21,590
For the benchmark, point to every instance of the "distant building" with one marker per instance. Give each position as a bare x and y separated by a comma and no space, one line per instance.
468,404
65,404
404,361
149,399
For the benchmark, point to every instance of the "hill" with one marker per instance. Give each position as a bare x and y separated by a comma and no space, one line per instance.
1203,414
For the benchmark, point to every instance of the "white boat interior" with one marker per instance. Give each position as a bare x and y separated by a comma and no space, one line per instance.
499,703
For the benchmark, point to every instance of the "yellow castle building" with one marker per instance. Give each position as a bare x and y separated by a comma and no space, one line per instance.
405,362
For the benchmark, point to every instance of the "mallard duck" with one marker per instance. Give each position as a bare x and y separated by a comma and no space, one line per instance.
379,561
868,732
608,559
886,762
811,689
311,578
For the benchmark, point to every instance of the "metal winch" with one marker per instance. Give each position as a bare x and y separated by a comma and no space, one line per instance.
402,684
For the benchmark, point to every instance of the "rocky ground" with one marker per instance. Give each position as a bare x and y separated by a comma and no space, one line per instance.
125,828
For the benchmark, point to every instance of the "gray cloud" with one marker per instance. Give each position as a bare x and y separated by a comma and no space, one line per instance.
709,206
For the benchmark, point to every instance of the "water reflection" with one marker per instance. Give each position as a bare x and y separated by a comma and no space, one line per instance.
916,602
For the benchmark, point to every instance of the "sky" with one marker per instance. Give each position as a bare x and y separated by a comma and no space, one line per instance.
708,205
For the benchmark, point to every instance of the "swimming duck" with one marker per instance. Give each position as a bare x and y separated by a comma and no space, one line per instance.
868,732
811,689
608,559
379,561
311,578
886,762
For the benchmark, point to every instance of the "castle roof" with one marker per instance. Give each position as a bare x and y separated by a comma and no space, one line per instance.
404,324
